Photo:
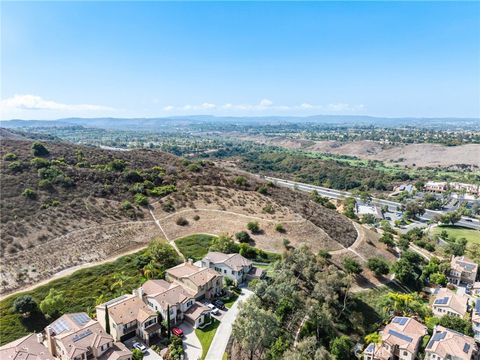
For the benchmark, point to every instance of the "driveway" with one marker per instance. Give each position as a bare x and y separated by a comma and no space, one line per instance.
148,355
220,340
191,344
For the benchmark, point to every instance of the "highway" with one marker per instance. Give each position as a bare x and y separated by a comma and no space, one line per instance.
392,205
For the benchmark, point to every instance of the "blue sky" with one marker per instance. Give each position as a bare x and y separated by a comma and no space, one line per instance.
91,59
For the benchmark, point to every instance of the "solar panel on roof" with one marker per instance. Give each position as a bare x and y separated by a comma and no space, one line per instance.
81,318
82,335
442,301
400,336
400,320
113,301
370,347
438,336
430,344
466,348
477,306
59,326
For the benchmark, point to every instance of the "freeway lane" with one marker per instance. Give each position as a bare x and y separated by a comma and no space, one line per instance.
392,205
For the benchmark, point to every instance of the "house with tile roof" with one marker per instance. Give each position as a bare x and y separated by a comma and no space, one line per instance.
129,316
463,271
233,266
77,337
476,320
446,344
401,339
29,347
448,302
203,282
163,296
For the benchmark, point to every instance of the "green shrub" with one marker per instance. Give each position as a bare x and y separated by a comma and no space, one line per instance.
24,305
243,237
126,205
29,193
117,165
253,227
268,209
280,228
181,221
141,200
351,266
161,191
378,265
196,217
194,167
9,157
241,181
38,149
263,190
39,162
15,166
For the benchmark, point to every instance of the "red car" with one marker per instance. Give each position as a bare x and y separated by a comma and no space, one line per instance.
177,332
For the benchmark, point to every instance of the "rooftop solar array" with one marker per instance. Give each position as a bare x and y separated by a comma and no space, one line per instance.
82,335
81,319
439,336
442,301
59,326
400,336
466,348
370,347
400,320
468,267
113,301
477,306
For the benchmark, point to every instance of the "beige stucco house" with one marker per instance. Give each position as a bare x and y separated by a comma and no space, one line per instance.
447,344
401,339
463,271
202,282
448,302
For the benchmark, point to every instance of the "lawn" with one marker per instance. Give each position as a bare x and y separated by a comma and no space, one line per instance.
471,235
195,246
228,302
80,290
206,335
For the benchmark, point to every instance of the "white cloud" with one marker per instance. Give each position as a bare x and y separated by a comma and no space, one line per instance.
267,106
34,102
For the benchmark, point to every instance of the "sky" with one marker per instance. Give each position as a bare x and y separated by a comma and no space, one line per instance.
156,59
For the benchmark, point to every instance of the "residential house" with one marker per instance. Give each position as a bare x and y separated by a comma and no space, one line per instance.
438,187
446,344
29,347
463,271
163,296
232,266
467,188
476,320
77,337
447,302
401,339
129,316
203,282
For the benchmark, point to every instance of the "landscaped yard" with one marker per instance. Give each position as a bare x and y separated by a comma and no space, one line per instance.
194,246
206,335
458,232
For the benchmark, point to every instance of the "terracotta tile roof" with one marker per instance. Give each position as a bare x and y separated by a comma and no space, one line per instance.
234,261
405,332
196,310
25,348
447,298
199,276
461,263
173,295
448,343
127,309
117,351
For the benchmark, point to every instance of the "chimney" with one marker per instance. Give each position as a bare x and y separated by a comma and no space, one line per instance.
50,341
140,292
40,338
190,261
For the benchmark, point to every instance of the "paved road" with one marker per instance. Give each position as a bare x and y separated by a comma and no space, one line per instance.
338,194
220,340
191,344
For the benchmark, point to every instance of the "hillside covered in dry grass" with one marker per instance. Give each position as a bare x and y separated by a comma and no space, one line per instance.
63,205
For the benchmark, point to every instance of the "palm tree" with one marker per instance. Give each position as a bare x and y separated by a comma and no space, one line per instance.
373,338
120,279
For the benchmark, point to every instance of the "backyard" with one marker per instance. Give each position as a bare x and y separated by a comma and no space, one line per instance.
457,232
194,246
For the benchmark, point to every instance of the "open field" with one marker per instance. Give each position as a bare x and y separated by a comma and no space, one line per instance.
472,236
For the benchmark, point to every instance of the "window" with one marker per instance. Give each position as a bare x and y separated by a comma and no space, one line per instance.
405,353
224,271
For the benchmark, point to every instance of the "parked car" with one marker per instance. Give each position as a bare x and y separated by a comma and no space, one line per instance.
219,304
177,332
213,309
140,347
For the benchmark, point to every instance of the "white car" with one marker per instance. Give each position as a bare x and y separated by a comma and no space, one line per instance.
140,347
213,309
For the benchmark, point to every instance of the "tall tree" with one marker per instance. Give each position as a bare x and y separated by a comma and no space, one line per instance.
107,320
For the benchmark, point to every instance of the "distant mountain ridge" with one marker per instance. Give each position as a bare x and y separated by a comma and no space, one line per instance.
335,120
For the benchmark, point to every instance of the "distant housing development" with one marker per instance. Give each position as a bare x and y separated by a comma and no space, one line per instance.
440,187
